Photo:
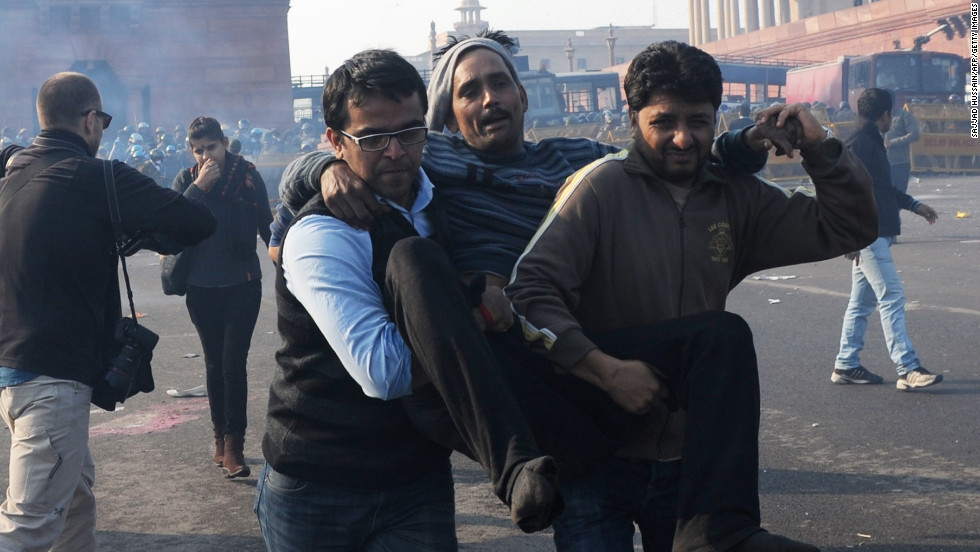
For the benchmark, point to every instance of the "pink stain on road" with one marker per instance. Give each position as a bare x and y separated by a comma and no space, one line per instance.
157,417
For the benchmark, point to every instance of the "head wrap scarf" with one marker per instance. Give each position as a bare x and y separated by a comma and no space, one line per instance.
440,89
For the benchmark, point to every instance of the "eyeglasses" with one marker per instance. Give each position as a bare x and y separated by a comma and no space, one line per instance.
378,142
106,118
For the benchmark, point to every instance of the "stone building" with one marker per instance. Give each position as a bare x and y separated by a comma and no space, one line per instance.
162,62
558,51
816,31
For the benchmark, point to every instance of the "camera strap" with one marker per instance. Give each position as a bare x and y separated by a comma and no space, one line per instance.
110,191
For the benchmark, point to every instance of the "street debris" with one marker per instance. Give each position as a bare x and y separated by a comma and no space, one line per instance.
199,391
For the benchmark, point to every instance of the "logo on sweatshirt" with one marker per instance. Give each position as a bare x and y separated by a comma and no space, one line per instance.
720,244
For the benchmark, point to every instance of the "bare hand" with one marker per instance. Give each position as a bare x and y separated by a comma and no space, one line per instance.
630,383
765,136
348,197
812,132
853,256
927,213
208,175
497,304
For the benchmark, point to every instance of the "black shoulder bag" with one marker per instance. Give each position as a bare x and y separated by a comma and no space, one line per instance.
129,370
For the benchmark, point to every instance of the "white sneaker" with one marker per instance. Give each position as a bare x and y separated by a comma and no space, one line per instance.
917,379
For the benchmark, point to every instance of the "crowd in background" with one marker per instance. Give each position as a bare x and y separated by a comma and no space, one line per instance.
162,152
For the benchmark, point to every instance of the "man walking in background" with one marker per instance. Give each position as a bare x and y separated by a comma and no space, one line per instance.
874,279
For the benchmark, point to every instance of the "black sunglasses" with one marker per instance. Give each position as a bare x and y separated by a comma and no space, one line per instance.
106,118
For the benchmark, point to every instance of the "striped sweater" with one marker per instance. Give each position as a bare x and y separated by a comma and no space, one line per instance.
496,202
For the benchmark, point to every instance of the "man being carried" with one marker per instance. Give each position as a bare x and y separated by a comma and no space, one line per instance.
346,468
655,233
497,188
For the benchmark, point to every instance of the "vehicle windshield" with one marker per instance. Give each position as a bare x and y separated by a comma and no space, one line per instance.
898,73
932,74
943,75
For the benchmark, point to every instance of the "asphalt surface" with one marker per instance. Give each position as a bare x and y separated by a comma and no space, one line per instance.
843,467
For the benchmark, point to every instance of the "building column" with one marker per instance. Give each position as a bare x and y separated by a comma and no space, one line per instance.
722,19
692,22
570,54
611,45
782,9
732,17
767,20
705,22
751,15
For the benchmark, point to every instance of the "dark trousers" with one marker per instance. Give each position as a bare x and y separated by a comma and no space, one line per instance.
467,404
225,318
493,399
710,368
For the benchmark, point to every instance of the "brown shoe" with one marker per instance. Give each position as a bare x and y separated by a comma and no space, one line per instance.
219,451
234,460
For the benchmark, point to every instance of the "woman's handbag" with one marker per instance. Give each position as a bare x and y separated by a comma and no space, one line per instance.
174,270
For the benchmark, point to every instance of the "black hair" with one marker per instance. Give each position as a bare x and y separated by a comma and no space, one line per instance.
874,102
499,37
369,73
203,127
675,69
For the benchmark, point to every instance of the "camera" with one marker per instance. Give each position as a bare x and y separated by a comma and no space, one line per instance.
131,245
129,372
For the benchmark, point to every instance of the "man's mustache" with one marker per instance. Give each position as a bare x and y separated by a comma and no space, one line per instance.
494,114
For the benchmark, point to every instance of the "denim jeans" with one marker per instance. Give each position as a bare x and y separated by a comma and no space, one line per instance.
50,503
601,507
304,516
875,282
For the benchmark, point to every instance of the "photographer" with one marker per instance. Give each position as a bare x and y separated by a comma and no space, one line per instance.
60,306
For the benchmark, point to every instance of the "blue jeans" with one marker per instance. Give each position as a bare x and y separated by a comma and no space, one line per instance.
601,507
875,282
296,515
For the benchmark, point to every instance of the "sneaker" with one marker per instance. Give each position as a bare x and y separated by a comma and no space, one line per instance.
855,375
917,379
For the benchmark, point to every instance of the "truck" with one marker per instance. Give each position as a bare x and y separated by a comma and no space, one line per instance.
925,76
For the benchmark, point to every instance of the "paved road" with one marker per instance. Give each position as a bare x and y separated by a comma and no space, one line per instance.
842,467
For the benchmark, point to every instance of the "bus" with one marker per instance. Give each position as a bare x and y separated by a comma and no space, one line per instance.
554,97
